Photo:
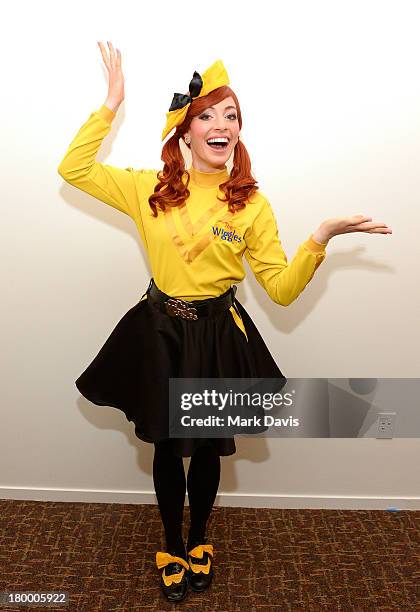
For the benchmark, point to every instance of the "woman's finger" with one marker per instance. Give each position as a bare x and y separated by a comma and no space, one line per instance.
368,227
111,54
377,224
104,55
358,219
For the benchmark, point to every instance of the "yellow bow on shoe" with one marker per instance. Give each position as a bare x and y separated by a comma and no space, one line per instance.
198,552
163,559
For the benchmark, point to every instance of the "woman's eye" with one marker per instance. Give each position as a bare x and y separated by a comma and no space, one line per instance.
232,115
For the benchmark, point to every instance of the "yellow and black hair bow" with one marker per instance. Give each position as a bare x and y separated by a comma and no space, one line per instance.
200,85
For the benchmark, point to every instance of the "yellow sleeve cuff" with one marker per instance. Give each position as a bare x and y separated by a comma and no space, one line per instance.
106,113
314,246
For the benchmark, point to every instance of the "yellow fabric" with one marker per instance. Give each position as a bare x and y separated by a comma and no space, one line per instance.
238,320
163,558
172,578
203,569
215,76
198,553
196,251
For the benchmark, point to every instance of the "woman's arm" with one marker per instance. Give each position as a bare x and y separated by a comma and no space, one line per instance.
283,281
111,185
114,186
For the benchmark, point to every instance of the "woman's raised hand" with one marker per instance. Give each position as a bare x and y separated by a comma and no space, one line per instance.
115,76
345,225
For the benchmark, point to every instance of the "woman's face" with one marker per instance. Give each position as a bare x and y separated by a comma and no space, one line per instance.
219,121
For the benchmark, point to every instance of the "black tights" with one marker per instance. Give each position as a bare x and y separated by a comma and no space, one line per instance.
170,485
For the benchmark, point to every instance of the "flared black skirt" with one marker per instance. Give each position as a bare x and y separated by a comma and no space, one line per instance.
147,347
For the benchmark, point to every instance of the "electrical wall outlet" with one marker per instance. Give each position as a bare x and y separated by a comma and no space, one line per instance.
386,424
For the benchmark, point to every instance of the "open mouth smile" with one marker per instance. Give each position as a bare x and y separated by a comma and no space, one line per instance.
218,144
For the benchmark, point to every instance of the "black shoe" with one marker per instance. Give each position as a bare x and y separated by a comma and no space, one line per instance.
200,560
174,576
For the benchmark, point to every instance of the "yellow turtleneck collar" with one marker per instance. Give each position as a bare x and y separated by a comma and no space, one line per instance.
208,180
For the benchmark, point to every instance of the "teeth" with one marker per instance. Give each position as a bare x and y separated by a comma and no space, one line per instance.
217,140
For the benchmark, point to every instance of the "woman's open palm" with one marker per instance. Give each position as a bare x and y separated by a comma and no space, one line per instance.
115,75
357,223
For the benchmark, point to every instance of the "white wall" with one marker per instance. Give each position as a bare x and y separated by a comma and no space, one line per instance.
330,98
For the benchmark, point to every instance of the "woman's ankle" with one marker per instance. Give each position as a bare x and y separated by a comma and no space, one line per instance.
194,540
177,551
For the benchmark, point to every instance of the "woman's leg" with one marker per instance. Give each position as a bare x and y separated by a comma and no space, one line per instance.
202,483
170,487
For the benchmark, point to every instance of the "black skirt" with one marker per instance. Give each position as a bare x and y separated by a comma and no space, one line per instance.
147,347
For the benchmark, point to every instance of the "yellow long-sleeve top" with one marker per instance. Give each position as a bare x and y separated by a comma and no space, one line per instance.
195,251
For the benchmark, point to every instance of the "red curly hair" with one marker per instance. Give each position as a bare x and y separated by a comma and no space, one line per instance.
171,191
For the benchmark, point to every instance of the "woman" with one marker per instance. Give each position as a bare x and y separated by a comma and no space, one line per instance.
196,225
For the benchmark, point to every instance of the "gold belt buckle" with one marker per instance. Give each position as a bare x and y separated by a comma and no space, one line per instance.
179,308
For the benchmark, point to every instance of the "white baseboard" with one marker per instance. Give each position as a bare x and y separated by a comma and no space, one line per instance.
243,500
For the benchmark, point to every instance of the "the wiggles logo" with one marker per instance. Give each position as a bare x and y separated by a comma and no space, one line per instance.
229,234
